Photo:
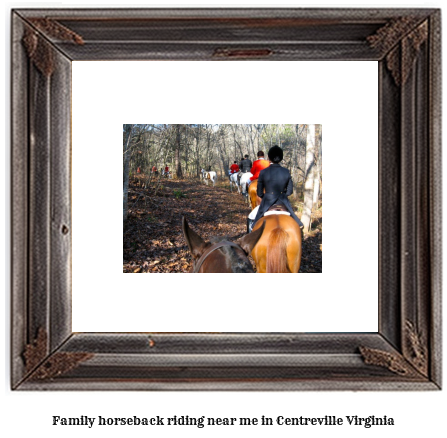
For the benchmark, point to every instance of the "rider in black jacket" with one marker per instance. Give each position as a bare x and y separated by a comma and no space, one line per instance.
245,165
275,185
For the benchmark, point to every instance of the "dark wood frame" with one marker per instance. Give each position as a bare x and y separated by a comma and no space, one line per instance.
405,354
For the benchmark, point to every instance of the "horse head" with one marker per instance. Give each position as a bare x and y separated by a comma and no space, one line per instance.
220,256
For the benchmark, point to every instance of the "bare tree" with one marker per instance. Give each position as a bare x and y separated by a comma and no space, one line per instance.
222,147
178,163
236,143
318,166
128,131
188,148
309,178
197,137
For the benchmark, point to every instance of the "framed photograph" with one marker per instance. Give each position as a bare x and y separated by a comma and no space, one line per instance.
51,351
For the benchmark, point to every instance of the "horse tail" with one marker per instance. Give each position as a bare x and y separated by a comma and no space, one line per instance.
277,251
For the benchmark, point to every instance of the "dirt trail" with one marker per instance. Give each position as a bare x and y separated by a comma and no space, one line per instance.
153,238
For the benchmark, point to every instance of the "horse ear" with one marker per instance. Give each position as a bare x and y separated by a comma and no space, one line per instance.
248,242
195,243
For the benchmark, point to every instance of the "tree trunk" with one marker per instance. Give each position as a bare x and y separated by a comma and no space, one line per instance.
295,165
236,143
126,160
223,151
318,166
309,181
197,156
178,164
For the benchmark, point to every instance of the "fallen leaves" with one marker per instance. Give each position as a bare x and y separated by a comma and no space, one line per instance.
153,240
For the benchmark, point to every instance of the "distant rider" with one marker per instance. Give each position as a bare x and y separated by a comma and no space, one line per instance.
234,168
245,165
260,164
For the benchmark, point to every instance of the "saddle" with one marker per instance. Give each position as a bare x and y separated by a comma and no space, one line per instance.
277,209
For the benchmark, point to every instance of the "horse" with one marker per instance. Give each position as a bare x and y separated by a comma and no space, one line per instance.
243,182
209,176
220,255
233,181
252,194
280,246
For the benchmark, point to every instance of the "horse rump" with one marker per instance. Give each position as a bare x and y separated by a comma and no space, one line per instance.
277,252
279,249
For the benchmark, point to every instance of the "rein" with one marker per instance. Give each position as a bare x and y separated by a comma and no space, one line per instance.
212,248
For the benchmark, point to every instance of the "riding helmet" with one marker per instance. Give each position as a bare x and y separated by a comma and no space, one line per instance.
275,154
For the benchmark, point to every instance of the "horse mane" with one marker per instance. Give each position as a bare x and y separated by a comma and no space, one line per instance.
277,251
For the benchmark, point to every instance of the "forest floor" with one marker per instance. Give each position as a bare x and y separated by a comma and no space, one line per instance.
153,238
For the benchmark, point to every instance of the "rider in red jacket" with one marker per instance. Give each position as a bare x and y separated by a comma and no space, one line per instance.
234,168
260,164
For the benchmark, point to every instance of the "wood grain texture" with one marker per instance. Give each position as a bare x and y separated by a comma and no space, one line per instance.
405,354
389,207
435,196
60,201
19,201
39,200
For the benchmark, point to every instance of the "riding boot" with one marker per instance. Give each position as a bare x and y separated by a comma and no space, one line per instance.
249,225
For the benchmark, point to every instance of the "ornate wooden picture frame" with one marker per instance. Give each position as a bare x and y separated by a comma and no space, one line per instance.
405,353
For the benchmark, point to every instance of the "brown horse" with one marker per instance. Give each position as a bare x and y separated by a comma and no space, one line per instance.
220,256
252,194
279,248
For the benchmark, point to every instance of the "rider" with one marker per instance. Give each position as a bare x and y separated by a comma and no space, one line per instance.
260,164
234,168
275,185
245,165
154,170
166,171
